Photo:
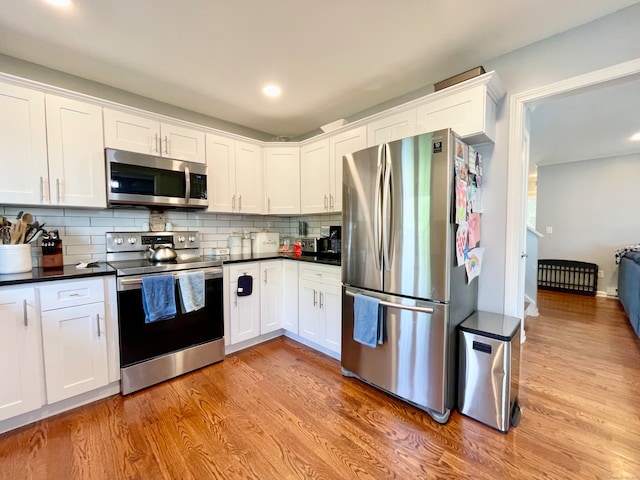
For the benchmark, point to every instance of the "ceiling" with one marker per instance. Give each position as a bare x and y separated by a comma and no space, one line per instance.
332,58
590,124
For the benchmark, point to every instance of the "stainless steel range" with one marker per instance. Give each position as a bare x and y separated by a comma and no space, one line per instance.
153,352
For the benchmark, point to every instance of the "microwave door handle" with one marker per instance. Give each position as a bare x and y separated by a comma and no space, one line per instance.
187,180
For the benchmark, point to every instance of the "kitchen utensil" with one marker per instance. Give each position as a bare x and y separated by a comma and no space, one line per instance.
161,253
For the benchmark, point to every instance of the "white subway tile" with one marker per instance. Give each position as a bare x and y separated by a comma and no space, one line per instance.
84,249
115,222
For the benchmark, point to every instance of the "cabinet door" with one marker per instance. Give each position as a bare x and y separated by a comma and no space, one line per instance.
131,132
221,174
330,305
290,295
391,128
21,377
182,143
248,178
75,350
76,153
23,146
282,180
310,322
271,296
244,314
314,177
342,144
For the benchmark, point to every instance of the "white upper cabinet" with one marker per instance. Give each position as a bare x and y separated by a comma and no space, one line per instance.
234,175
315,181
342,144
282,180
23,146
390,127
469,108
140,134
76,153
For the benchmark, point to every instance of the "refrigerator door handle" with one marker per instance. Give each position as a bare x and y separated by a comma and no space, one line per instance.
413,308
387,210
377,213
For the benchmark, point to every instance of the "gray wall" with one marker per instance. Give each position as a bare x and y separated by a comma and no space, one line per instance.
608,41
592,207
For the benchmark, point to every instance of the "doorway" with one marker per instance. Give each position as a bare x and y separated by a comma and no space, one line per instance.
521,107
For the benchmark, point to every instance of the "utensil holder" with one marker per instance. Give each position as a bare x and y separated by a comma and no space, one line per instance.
52,255
15,258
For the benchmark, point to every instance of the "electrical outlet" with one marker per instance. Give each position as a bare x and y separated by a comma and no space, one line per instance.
269,224
600,273
549,230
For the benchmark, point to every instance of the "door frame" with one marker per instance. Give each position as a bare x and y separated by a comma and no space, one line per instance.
521,105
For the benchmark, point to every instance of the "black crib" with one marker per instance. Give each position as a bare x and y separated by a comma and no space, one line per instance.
568,276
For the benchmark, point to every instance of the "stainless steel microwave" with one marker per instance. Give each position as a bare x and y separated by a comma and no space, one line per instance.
146,180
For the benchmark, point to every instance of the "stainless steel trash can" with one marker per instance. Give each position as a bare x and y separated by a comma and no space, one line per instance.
489,369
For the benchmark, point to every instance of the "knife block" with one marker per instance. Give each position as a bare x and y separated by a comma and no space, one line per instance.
52,256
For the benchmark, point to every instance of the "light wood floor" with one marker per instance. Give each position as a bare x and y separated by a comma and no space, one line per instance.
281,411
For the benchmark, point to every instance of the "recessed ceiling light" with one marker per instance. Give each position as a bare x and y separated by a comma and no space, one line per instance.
635,136
271,90
59,3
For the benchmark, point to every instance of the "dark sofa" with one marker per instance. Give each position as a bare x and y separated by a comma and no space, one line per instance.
629,287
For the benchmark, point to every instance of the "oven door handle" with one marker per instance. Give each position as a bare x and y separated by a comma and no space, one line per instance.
127,283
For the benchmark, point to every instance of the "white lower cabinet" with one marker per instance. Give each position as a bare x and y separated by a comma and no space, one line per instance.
244,310
74,338
320,307
270,296
290,296
21,379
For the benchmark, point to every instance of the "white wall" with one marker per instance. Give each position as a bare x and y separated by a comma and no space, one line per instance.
592,207
608,41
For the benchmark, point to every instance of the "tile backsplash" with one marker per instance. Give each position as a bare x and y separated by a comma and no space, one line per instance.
83,230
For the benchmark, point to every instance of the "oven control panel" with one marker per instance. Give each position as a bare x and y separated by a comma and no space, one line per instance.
140,241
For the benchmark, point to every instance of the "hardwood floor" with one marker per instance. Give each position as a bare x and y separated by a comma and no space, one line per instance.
281,411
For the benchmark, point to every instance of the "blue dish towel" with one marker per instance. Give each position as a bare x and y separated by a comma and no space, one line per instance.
158,298
367,321
191,291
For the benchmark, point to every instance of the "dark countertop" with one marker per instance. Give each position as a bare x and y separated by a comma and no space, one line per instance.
65,273
68,272
227,259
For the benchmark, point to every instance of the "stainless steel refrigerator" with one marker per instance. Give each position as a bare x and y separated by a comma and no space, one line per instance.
398,246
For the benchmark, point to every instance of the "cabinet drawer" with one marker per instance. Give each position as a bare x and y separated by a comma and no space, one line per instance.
319,273
64,294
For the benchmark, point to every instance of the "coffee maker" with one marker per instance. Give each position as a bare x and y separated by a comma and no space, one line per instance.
330,246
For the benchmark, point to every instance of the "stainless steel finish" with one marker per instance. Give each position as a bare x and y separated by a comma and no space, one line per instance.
144,160
159,369
398,245
412,361
24,313
98,323
187,179
58,190
161,253
268,204
118,242
309,245
489,375
134,282
352,293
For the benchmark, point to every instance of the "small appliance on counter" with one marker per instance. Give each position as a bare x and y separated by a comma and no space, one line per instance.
327,246
265,242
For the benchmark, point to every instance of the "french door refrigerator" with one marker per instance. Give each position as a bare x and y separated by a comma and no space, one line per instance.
398,234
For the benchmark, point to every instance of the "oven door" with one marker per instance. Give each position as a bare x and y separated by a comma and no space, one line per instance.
140,341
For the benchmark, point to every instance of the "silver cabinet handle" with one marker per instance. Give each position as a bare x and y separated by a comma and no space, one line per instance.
25,317
166,145
156,147
58,189
321,300
398,305
265,276
42,189
236,299
268,204
330,202
239,203
98,323
326,205
314,298
233,202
